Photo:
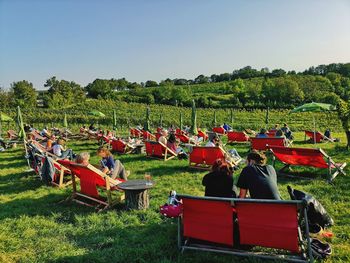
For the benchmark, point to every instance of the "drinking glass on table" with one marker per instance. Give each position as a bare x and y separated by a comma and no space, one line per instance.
148,179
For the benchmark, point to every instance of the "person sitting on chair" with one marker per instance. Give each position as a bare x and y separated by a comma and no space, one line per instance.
258,178
227,127
262,134
287,132
219,181
163,138
213,142
111,167
60,150
173,145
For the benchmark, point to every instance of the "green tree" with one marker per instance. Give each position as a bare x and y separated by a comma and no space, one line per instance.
151,83
23,94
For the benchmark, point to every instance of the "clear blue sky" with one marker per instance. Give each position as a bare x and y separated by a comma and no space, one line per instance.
82,40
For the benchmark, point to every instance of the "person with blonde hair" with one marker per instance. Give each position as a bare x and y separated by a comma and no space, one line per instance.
59,149
258,178
111,167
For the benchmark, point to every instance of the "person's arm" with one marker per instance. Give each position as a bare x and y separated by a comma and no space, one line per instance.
243,193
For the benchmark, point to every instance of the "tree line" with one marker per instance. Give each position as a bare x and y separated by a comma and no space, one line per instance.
243,88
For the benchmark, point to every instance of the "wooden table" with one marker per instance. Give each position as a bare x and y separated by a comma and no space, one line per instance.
136,193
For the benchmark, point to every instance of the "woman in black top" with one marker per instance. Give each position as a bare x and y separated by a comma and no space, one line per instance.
219,182
258,178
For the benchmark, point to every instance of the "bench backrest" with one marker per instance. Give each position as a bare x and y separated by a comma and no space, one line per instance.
118,146
271,225
219,130
315,136
135,132
265,223
208,220
237,136
206,155
300,156
260,144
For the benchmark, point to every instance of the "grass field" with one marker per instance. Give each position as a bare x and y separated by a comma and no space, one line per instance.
35,226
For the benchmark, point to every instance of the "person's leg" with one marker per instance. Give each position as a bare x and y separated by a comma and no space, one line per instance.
119,170
67,154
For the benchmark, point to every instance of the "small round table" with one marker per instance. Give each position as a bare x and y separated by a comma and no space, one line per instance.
136,193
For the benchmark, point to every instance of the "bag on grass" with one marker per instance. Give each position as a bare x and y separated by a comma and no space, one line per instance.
316,213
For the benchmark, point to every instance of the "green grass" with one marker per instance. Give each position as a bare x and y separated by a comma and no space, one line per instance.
35,226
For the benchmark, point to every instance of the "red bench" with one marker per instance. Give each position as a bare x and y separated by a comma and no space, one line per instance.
219,130
204,157
159,150
307,157
208,224
237,136
262,144
314,136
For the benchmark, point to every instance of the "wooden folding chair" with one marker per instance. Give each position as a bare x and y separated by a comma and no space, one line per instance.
92,182
159,150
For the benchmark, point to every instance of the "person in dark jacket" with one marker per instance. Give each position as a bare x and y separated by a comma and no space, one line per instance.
219,182
258,178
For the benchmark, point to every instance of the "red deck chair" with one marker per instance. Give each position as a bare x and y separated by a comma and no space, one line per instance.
158,135
307,157
207,220
271,133
219,130
237,136
204,157
92,179
148,136
203,135
135,133
159,130
12,135
36,136
262,144
182,137
120,146
159,150
314,136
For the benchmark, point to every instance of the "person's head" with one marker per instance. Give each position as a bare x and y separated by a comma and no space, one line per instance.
215,139
103,152
255,157
263,131
279,133
164,133
276,126
285,125
172,138
220,167
83,158
60,141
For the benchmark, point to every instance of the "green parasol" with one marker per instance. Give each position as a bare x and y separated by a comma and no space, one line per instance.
21,133
267,116
65,122
96,113
161,120
232,117
181,125
146,126
114,120
194,119
214,118
314,107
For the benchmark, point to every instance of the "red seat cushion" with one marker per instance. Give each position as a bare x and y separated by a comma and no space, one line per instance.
220,130
206,155
260,144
